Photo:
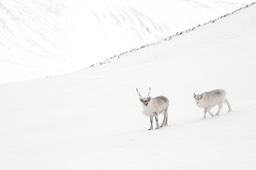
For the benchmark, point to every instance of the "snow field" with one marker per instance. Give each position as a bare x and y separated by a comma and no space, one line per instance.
92,119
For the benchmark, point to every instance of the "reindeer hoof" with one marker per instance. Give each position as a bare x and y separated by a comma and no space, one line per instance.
163,125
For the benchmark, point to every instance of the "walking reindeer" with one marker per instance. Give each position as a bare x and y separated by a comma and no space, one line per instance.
209,99
152,107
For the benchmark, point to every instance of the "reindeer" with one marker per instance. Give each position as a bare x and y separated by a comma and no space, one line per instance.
208,100
152,107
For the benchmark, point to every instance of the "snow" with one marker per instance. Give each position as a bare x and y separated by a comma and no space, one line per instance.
40,38
92,119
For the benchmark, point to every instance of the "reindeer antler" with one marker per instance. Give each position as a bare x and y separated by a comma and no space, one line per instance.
138,92
149,91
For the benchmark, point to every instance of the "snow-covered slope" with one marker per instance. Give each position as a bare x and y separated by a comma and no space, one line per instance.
40,38
92,119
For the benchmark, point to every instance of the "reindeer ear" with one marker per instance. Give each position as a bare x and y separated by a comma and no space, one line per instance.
149,98
141,100
194,95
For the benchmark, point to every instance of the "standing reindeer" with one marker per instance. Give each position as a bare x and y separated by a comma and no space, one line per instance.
208,100
152,107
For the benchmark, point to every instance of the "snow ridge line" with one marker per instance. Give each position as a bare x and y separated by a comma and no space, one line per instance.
108,60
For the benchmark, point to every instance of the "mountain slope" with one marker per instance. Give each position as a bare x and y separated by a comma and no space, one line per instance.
40,38
92,119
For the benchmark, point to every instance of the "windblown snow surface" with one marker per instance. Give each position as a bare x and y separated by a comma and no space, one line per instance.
92,119
40,38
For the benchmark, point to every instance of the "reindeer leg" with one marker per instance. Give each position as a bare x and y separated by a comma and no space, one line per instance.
227,102
151,123
166,120
205,111
209,111
220,107
157,125
164,123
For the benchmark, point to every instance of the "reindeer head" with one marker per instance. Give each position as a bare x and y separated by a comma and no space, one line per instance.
144,100
198,97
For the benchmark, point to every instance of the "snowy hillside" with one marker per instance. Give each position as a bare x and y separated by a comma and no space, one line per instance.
92,119
40,38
